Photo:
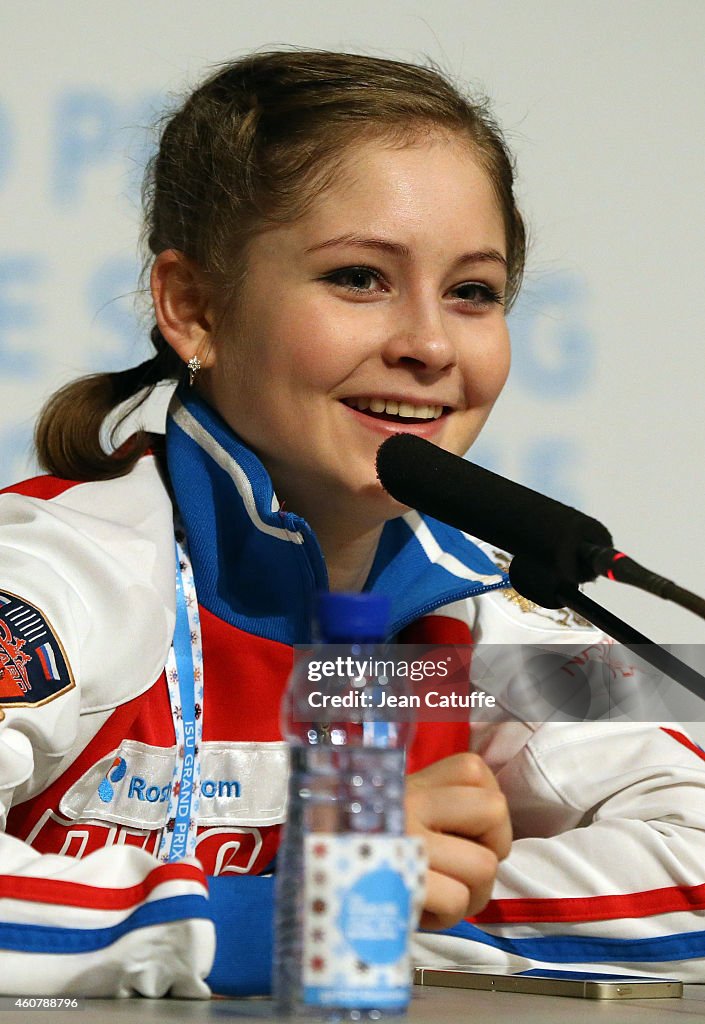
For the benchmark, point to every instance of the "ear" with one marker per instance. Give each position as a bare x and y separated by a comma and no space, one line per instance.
183,311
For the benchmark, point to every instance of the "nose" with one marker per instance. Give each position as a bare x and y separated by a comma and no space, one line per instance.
420,340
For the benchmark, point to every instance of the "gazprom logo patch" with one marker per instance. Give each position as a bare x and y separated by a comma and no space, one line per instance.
115,773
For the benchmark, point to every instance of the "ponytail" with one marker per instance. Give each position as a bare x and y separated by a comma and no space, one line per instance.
68,434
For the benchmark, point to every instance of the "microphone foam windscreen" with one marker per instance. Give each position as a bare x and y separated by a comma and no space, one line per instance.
510,516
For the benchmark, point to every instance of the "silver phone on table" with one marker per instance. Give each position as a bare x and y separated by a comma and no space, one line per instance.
579,984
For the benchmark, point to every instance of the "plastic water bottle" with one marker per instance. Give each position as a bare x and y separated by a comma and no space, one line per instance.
348,879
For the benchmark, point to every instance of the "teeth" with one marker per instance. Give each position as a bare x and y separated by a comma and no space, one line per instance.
404,409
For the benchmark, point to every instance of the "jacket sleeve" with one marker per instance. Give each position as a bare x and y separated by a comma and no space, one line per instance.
607,868
117,922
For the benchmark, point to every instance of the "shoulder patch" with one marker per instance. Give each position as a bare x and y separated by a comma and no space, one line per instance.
33,665
561,616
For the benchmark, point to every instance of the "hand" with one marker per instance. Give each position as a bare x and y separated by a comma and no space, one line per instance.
458,808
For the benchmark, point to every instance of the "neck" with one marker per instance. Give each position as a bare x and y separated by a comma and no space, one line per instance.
347,527
349,556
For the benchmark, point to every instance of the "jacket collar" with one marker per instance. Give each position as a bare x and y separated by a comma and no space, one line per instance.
258,567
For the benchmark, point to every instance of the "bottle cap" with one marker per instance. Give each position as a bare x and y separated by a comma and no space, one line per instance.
349,617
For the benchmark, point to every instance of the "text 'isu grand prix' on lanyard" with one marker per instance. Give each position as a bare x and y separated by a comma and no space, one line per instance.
184,675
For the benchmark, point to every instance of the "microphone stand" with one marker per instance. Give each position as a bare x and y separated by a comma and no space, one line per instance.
540,584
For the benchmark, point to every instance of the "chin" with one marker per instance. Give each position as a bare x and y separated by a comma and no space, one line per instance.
380,504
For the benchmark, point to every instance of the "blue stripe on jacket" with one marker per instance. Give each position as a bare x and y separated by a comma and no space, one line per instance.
563,949
39,938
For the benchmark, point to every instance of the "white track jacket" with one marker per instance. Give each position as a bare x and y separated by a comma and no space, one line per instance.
607,870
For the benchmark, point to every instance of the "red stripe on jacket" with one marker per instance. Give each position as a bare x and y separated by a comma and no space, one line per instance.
45,487
95,897
684,741
669,900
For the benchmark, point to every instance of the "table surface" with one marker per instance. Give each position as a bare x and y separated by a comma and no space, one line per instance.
429,1006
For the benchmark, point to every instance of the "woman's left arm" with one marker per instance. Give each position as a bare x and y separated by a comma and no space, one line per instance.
608,868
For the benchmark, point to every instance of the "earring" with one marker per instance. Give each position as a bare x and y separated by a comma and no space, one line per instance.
194,368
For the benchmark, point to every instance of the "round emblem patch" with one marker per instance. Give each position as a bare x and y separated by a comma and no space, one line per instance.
33,666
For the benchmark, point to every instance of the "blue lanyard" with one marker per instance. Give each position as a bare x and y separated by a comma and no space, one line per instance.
184,672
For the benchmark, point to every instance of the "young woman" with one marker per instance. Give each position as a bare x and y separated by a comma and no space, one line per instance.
334,245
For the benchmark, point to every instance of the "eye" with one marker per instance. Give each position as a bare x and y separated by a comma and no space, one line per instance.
478,296
355,279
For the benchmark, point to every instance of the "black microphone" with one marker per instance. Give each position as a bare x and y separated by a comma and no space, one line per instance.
508,515
573,546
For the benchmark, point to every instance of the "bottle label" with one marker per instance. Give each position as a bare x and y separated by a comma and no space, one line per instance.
362,899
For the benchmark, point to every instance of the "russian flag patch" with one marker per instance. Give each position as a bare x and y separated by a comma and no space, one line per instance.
33,665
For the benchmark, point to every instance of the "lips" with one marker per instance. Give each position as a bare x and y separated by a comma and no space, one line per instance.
393,410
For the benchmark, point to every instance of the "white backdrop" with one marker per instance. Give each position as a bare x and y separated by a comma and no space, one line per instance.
604,106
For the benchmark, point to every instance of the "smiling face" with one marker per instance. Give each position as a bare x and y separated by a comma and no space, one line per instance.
380,311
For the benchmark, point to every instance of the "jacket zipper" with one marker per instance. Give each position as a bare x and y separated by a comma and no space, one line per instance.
439,602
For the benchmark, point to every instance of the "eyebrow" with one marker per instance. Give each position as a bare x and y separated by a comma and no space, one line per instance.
398,249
